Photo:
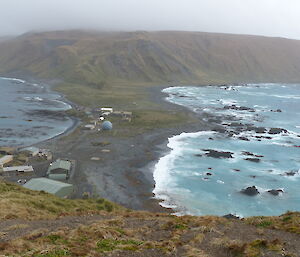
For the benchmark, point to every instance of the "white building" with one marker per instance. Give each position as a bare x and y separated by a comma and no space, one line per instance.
6,159
18,169
106,109
90,126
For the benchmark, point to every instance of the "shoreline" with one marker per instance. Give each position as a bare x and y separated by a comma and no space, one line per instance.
124,177
271,131
48,86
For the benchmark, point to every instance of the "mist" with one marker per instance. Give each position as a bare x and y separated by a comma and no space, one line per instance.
258,17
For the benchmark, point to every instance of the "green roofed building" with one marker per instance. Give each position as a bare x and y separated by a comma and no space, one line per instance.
59,170
54,187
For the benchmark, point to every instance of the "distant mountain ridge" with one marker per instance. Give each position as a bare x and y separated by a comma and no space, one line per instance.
97,58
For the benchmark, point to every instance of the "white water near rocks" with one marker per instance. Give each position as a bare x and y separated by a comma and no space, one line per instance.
256,143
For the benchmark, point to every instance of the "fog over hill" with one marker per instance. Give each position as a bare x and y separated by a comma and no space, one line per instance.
97,58
255,17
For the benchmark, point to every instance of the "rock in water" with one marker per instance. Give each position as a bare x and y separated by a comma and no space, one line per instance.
251,191
274,131
291,173
275,191
244,138
217,154
252,159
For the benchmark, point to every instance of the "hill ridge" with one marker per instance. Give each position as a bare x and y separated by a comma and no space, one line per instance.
96,58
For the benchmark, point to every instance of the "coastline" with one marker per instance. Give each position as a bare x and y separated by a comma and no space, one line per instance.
124,177
48,87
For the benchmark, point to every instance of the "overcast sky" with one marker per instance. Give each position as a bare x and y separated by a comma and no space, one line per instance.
259,17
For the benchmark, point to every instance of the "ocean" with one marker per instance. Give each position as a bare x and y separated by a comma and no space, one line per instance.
30,113
254,141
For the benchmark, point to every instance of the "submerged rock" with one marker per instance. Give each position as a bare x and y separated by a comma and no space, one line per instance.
275,191
251,154
244,138
236,124
217,154
258,156
219,130
252,159
238,108
259,130
250,191
291,173
273,131
268,137
198,155
247,153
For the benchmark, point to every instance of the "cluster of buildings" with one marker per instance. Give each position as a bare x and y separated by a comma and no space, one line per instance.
55,181
36,152
124,115
103,113
8,155
57,174
7,158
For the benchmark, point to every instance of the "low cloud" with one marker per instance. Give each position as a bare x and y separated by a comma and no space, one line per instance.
259,17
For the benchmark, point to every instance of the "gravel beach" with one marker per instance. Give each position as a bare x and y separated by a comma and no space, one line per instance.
124,173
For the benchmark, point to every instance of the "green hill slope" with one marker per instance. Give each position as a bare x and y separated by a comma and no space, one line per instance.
98,59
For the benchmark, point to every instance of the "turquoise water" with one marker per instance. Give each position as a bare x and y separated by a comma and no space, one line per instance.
242,117
29,113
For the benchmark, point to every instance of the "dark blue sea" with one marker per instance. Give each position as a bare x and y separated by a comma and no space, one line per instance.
30,113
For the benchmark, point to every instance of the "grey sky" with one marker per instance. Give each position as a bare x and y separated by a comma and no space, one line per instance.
260,17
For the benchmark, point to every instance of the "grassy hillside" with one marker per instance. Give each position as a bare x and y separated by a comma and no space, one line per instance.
115,68
19,203
38,224
98,59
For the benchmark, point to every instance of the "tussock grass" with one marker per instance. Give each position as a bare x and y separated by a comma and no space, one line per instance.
18,202
126,231
289,221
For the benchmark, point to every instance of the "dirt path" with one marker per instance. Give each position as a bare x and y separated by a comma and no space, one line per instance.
11,229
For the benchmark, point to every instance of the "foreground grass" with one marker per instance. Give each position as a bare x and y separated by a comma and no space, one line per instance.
289,222
19,203
120,232
147,234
